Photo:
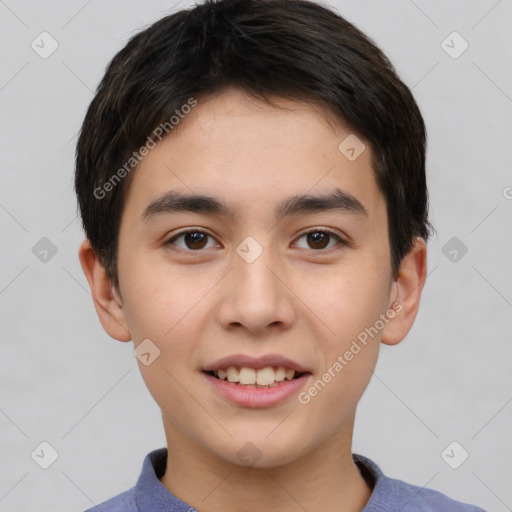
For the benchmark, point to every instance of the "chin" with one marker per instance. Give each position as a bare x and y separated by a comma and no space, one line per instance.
255,449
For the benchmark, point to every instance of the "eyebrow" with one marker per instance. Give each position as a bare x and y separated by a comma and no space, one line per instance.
176,202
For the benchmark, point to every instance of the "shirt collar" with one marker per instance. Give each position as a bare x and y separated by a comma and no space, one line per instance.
152,496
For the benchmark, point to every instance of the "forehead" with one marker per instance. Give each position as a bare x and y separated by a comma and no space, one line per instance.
254,155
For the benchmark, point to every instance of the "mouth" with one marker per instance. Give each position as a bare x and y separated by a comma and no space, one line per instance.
260,381
266,377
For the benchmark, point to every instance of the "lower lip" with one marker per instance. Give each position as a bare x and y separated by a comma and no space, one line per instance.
257,397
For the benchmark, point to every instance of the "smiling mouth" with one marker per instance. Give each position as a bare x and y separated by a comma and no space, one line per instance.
268,377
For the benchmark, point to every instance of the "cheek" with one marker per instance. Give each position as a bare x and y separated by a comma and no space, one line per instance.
158,299
349,305
167,308
349,308
166,312
345,301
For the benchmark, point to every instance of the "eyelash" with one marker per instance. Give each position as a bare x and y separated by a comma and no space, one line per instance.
326,231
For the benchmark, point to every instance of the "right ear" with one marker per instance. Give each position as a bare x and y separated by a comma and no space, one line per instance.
106,301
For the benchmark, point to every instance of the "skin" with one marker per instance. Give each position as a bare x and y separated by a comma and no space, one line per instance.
296,299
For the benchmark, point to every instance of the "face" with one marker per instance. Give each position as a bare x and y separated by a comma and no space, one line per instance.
270,280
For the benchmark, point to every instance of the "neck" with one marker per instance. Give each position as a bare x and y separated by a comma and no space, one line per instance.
325,479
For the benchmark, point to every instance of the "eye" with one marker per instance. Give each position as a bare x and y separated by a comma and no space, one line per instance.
193,239
319,239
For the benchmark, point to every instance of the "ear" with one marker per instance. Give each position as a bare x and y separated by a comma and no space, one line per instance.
406,293
107,302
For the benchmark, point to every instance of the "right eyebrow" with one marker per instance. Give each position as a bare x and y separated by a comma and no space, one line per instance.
175,202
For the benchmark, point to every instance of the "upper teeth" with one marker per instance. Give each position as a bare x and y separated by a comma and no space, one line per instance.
263,377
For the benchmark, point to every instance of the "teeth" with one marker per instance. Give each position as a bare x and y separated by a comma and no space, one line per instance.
280,374
267,376
247,376
232,374
289,374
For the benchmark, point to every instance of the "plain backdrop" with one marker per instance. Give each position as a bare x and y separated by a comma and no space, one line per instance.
66,383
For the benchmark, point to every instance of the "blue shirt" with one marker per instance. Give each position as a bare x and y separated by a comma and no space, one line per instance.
388,495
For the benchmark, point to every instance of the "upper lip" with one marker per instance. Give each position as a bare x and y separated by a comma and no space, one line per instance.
242,360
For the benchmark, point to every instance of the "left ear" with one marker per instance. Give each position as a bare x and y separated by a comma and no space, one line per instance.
406,293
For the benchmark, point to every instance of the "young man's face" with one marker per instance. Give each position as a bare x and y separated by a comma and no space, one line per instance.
252,283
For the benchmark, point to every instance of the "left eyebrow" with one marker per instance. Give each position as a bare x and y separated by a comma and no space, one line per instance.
338,200
175,202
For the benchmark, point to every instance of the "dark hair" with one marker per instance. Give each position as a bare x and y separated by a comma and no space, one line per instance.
293,49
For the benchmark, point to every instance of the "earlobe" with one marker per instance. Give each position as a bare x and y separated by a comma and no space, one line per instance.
406,290
107,302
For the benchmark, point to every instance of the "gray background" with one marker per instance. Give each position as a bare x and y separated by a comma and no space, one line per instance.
64,381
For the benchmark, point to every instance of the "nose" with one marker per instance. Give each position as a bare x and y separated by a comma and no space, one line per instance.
257,296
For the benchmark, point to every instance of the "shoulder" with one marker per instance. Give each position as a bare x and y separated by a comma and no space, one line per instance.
392,494
124,502
143,494
420,499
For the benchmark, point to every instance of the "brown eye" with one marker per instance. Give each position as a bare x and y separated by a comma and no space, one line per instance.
319,239
193,240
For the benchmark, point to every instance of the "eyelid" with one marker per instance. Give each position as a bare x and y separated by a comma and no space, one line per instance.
321,229
170,239
342,241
